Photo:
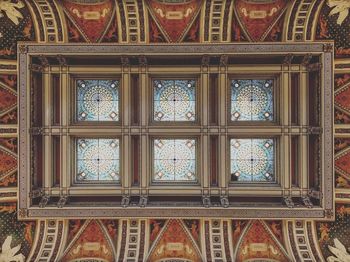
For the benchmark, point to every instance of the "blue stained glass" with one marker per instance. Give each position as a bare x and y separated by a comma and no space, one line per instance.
175,160
97,159
174,100
252,100
252,160
97,100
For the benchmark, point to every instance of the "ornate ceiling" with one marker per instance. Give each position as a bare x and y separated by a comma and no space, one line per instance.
173,21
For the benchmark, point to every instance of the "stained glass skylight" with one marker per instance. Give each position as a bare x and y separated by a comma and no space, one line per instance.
174,160
97,159
97,100
252,160
252,100
174,100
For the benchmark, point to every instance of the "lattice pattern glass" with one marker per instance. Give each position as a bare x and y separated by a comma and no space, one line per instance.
252,100
175,160
252,160
174,100
97,100
97,159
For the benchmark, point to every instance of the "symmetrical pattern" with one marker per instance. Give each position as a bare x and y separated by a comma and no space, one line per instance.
252,100
174,100
97,100
127,24
252,160
97,159
175,160
258,243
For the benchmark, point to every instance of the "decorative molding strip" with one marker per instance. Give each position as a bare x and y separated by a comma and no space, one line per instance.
8,66
132,241
48,19
302,17
217,241
48,241
132,21
302,247
217,9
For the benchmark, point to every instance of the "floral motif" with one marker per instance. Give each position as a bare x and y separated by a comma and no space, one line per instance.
10,9
340,252
8,253
341,7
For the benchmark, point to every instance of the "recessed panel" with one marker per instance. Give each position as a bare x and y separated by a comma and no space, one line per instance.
252,160
174,160
97,160
252,100
174,100
97,100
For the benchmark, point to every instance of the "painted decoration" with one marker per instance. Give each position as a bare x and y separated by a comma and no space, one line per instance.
92,242
238,227
174,160
276,228
193,226
252,160
342,167
257,18
91,19
259,243
111,227
334,24
342,99
174,100
21,233
329,233
16,24
174,18
8,162
174,242
156,226
74,226
8,149
8,99
98,160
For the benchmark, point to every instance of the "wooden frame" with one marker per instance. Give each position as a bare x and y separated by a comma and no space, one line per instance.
217,200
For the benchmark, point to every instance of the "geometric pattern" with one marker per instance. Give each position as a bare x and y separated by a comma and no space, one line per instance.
252,160
174,160
174,100
98,100
252,100
98,159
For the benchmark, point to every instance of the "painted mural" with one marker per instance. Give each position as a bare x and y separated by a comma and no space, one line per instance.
258,18
334,24
258,242
334,236
169,21
16,25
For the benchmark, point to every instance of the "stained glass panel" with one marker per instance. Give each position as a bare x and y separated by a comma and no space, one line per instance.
175,160
97,159
252,100
97,100
252,160
174,100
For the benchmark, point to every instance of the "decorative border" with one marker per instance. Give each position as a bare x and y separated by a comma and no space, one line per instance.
325,49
